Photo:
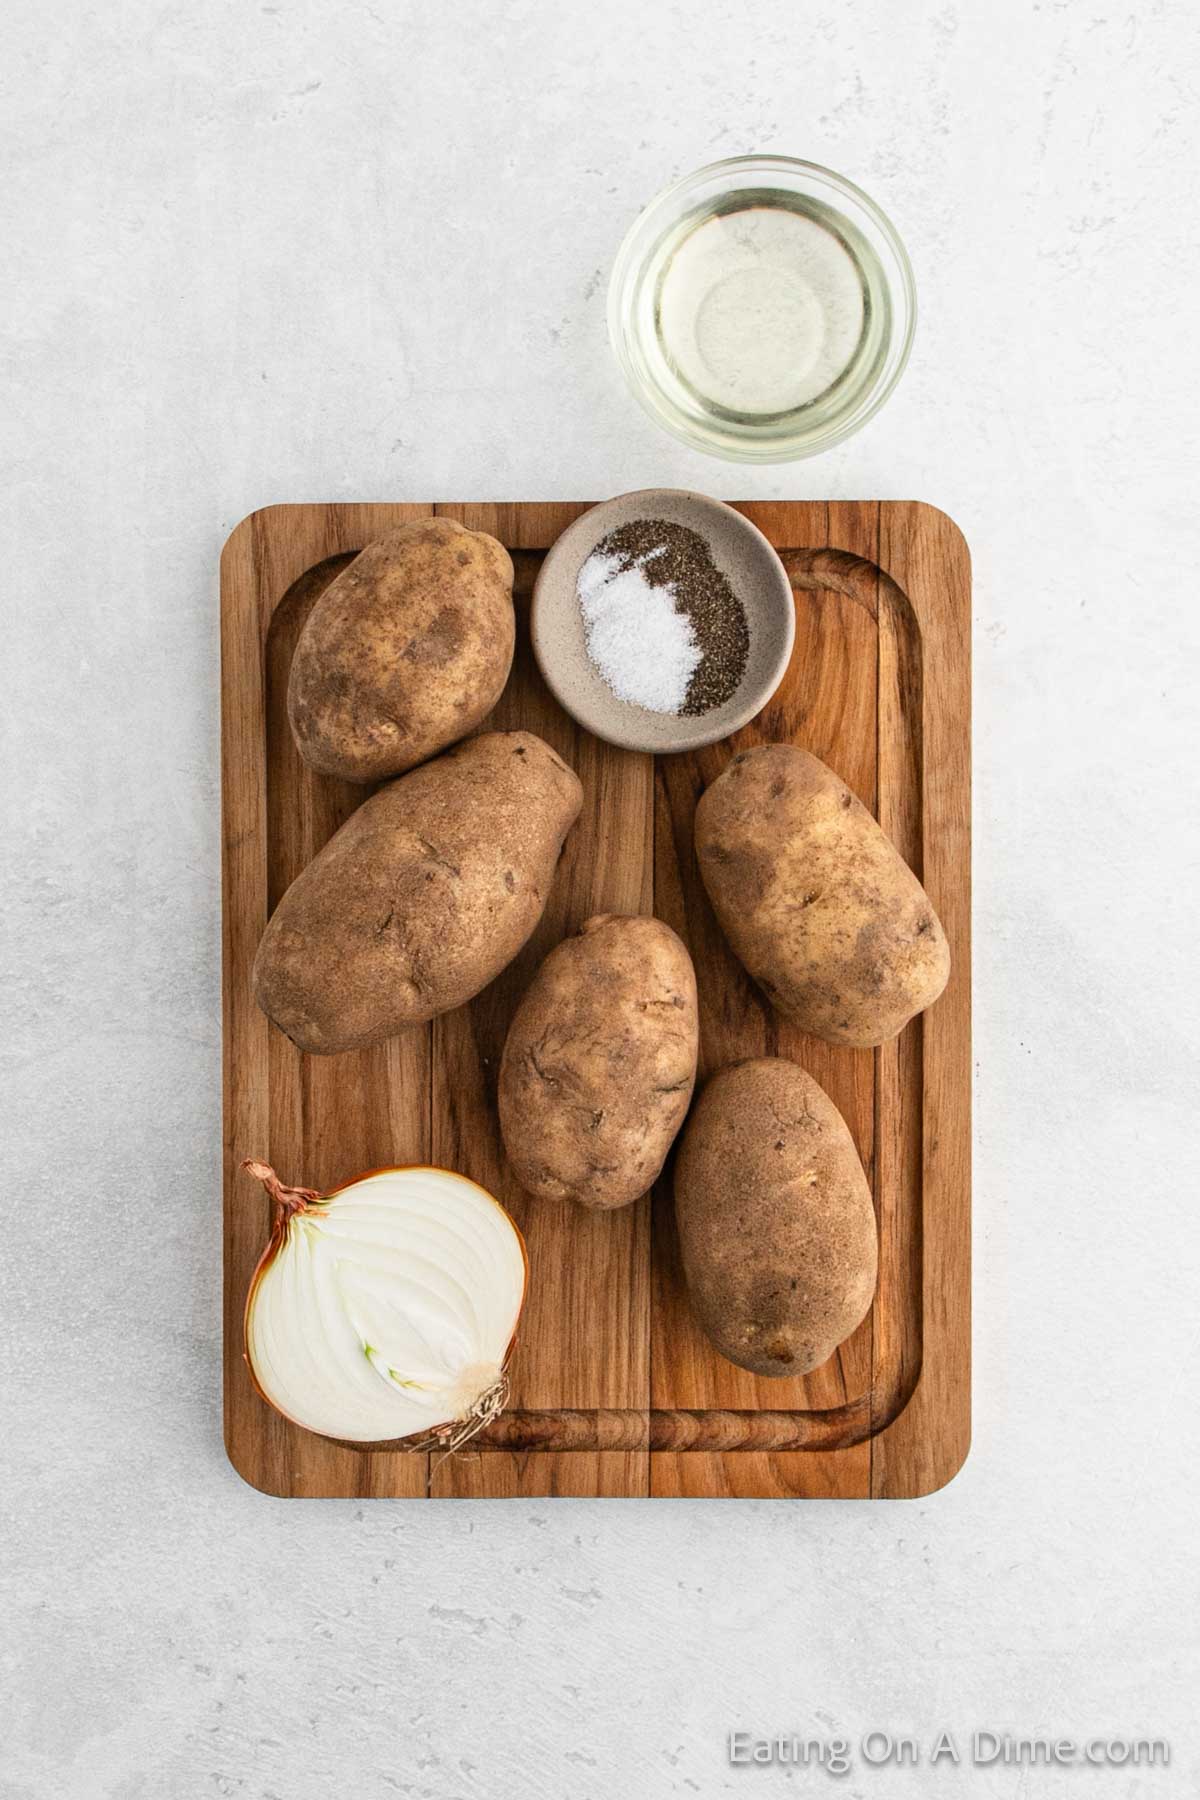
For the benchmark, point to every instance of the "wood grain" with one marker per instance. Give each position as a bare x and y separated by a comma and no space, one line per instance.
614,1390
585,1331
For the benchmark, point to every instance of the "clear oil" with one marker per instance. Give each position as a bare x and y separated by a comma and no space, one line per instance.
681,377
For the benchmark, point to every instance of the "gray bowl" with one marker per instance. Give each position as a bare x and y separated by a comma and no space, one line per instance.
753,570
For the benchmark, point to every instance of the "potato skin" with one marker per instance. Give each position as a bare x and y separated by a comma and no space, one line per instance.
421,898
600,1062
406,651
775,1220
815,899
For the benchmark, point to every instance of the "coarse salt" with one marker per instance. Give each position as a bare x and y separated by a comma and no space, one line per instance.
644,648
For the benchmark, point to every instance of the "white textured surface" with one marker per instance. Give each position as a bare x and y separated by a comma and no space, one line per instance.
263,252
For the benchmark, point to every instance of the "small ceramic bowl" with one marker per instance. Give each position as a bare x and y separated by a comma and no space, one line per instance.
754,572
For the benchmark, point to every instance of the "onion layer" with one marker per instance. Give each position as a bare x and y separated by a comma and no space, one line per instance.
387,1307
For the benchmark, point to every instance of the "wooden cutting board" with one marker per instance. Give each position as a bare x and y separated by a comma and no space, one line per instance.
614,1390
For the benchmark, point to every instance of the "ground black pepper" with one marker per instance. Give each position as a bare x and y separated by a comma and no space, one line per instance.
674,554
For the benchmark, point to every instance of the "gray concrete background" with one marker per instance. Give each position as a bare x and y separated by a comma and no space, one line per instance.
265,252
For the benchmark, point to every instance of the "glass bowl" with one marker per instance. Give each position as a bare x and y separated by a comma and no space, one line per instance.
808,423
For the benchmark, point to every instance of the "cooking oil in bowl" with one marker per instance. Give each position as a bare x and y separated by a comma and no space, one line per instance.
762,309
762,320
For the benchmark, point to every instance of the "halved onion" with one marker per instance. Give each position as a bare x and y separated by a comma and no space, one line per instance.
386,1308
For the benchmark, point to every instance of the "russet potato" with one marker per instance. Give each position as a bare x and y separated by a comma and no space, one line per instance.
421,898
776,1225
600,1062
406,651
815,900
